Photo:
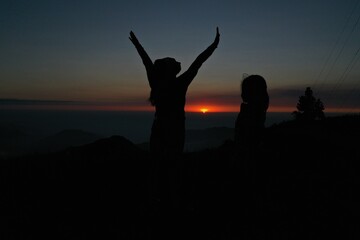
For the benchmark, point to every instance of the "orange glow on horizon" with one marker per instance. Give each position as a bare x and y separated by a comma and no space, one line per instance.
204,110
211,108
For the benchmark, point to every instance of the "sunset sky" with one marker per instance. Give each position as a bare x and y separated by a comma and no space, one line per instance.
76,54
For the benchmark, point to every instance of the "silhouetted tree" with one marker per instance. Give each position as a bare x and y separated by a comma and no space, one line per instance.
309,108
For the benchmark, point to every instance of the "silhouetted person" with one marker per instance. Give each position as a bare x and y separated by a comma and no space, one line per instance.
249,127
250,121
168,92
168,96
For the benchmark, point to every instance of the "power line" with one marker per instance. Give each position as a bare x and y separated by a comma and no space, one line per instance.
335,45
352,64
342,48
349,66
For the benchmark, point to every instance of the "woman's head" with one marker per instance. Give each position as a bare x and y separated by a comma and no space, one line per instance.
254,90
165,70
167,67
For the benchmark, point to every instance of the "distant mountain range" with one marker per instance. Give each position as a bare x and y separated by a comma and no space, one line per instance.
15,141
301,183
64,139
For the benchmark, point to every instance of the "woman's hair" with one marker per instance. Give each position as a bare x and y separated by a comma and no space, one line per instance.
254,91
164,69
152,97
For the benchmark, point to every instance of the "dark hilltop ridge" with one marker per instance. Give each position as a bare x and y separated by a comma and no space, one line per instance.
301,183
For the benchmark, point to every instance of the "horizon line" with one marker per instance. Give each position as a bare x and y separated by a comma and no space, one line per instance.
77,105
72,108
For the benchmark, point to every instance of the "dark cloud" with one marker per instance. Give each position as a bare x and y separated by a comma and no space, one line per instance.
288,97
33,102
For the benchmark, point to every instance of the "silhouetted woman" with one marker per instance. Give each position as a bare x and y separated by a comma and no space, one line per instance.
250,122
168,92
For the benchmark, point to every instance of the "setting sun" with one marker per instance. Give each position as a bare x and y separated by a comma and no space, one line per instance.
204,110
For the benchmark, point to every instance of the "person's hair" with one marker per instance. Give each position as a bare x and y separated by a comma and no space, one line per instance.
164,69
254,91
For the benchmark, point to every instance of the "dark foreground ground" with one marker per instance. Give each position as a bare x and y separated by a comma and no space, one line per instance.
302,183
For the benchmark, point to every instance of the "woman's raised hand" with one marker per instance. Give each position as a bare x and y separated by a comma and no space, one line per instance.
133,38
217,38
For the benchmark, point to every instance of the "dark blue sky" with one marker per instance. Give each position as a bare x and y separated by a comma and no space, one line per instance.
80,51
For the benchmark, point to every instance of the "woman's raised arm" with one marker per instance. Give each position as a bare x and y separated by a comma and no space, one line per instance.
190,74
144,56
